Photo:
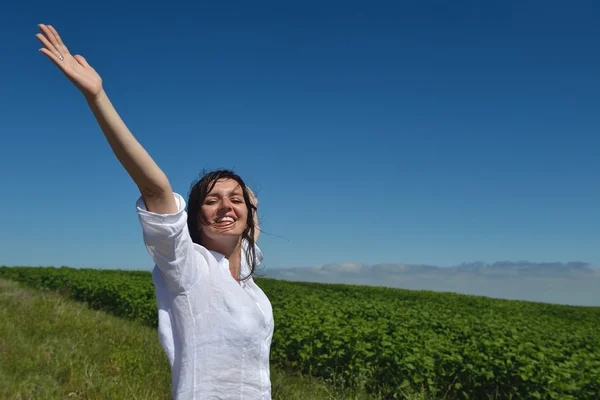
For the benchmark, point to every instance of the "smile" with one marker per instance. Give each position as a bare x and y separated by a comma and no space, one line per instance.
225,221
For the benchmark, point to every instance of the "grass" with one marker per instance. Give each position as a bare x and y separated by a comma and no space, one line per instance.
55,348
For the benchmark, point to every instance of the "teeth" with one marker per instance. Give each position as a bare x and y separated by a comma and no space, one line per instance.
225,219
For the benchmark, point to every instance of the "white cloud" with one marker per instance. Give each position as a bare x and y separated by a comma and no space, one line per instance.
575,283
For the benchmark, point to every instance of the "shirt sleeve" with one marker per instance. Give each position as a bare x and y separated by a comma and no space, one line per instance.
168,242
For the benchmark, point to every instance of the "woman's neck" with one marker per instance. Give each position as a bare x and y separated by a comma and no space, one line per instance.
231,249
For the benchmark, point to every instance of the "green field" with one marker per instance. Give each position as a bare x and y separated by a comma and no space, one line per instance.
391,341
55,348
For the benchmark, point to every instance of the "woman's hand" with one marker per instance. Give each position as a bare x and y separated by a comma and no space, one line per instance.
75,67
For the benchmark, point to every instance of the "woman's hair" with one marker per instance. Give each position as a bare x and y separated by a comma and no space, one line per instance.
196,218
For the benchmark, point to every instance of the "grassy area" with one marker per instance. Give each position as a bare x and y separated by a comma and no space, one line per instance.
54,348
397,342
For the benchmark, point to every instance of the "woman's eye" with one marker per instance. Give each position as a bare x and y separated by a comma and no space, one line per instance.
236,200
210,202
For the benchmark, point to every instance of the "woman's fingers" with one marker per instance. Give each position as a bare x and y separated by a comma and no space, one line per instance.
62,47
49,35
53,58
52,40
56,35
49,46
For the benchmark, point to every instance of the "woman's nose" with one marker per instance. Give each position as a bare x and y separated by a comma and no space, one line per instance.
225,204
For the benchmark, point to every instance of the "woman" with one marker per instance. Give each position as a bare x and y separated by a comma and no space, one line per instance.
215,324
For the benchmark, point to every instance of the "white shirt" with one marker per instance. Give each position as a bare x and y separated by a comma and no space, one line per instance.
215,331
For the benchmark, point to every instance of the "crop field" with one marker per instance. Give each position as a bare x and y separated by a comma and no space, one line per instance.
390,341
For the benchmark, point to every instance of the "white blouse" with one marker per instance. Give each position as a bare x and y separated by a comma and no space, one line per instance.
215,331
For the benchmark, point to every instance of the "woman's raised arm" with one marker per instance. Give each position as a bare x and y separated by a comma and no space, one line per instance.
150,179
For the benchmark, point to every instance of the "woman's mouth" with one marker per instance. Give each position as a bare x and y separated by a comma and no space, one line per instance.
224,221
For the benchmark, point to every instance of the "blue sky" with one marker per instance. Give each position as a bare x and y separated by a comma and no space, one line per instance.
420,132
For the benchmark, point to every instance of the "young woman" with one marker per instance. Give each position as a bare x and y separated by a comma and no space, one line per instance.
215,323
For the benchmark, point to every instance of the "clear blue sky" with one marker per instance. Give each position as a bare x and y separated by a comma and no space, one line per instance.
419,132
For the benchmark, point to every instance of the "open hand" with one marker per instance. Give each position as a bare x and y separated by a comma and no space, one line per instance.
75,67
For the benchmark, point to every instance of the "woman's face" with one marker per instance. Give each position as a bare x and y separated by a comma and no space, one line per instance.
225,210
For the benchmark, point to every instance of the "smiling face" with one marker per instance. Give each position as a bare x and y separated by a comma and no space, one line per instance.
225,210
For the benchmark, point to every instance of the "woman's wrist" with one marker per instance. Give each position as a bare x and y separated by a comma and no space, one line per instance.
94,98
